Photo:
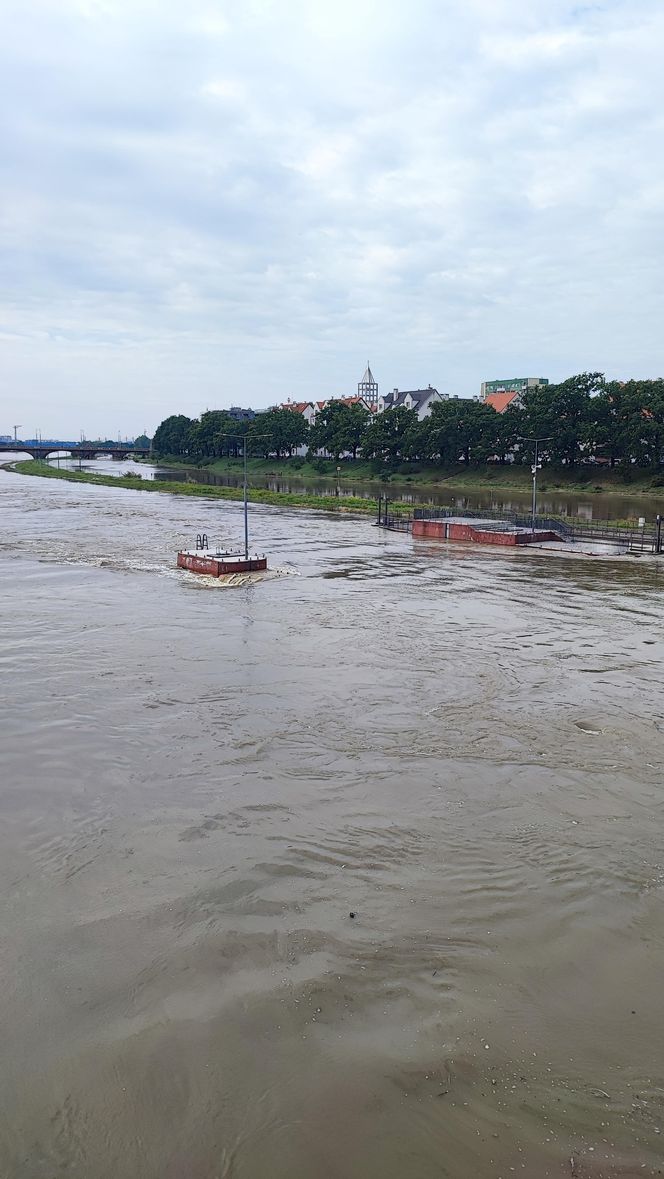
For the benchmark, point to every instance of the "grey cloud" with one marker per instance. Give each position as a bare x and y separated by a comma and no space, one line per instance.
222,202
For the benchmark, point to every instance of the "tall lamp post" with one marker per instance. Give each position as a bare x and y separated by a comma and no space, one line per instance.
243,439
536,466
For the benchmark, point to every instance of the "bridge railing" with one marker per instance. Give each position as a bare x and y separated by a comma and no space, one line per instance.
20,444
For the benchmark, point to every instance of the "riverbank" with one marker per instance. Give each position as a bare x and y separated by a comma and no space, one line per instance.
256,495
419,477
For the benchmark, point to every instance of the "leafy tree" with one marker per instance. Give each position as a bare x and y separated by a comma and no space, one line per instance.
508,428
259,436
172,436
608,427
339,428
388,434
645,421
561,414
581,416
278,432
215,434
461,429
142,442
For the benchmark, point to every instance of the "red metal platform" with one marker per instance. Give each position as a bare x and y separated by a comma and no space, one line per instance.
219,565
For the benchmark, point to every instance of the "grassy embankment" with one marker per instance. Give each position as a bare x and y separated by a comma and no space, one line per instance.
622,481
257,495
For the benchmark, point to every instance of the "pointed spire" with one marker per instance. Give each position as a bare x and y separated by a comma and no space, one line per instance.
368,387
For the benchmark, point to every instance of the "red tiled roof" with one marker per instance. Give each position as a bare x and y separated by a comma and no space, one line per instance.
356,399
298,406
500,401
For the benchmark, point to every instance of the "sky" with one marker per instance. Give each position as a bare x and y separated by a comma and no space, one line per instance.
232,202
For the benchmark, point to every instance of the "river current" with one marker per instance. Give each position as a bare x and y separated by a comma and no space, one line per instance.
353,874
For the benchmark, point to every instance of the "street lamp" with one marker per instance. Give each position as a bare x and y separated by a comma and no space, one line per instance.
536,466
243,439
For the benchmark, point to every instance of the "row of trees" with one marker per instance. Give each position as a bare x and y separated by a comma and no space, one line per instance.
584,417
217,435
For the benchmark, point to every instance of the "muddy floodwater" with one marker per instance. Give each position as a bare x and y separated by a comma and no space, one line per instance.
354,874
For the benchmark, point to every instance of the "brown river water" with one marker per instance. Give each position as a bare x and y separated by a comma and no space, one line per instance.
200,785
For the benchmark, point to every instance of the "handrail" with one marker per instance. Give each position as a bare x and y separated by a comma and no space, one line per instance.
629,534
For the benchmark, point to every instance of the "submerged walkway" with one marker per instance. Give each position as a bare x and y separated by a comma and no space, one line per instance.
497,527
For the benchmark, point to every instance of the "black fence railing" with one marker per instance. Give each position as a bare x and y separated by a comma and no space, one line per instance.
632,536
396,521
541,523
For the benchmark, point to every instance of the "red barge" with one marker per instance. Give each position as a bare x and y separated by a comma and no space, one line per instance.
223,562
218,562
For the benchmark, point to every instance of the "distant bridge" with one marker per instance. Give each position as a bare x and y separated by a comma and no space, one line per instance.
83,450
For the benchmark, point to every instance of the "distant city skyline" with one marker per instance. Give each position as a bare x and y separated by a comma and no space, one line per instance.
263,196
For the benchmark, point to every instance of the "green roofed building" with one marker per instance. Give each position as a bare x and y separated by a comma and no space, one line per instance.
512,385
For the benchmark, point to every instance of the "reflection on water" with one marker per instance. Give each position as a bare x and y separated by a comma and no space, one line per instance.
588,506
461,748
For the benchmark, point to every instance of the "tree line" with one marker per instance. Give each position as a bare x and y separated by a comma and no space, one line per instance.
583,418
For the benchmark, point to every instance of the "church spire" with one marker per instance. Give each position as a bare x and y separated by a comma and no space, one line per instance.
368,387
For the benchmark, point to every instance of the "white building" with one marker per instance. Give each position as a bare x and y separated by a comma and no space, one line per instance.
306,408
308,411
421,400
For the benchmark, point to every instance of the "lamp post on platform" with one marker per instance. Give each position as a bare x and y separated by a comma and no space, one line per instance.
536,466
243,439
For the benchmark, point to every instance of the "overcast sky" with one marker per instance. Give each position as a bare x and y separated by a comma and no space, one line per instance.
208,203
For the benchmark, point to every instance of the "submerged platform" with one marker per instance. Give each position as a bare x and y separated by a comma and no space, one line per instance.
479,531
216,563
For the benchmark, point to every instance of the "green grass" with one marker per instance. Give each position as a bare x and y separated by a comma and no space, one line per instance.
256,495
420,476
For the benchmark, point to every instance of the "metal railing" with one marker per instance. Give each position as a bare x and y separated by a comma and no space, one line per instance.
396,521
541,523
631,535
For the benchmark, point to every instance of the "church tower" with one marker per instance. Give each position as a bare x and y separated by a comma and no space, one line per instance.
368,388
